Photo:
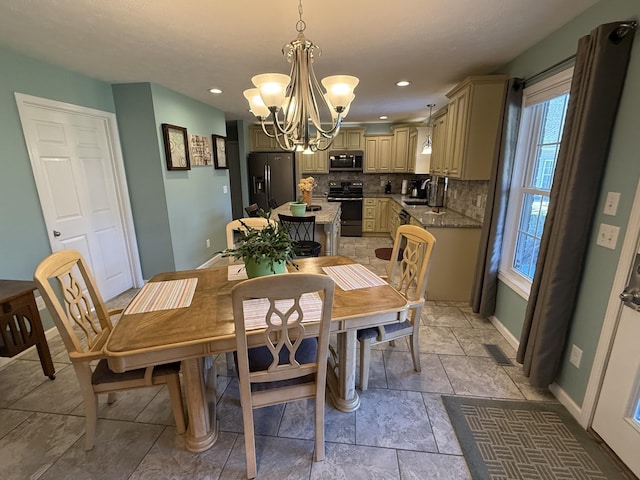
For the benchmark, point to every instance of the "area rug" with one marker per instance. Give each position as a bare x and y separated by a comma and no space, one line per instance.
506,440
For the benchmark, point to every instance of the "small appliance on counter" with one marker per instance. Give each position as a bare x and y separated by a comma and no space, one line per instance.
405,187
387,187
437,191
419,189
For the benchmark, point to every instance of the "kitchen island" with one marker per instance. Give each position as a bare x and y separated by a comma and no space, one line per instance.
327,231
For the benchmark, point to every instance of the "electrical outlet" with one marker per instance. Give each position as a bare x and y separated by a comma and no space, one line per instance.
208,242
608,236
382,183
478,200
576,356
224,189
611,204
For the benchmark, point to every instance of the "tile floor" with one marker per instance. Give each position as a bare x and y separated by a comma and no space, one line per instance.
401,430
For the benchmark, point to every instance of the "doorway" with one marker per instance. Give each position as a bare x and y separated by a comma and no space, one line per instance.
79,173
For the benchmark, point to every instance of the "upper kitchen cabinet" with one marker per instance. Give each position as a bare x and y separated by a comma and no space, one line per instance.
473,119
260,142
316,163
438,142
349,139
401,153
377,153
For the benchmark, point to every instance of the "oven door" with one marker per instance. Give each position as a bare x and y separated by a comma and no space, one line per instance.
351,216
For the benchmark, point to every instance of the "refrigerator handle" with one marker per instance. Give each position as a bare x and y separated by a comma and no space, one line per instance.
267,176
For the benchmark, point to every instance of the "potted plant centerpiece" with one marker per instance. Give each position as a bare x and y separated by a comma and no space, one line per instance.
298,208
265,250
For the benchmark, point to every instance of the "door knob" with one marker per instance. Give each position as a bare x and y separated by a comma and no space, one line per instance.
56,233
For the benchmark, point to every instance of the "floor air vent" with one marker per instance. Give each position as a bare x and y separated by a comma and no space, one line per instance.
497,354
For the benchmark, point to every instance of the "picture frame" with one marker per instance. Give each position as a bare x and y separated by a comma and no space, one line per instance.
219,151
200,151
176,147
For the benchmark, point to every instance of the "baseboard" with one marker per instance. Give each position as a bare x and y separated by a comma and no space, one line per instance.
210,262
508,336
574,410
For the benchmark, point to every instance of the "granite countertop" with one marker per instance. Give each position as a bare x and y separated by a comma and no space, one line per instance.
446,218
327,213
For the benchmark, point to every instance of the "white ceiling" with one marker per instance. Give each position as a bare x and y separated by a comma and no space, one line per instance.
192,45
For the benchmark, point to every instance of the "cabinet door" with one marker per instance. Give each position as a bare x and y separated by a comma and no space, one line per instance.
439,144
382,215
321,161
412,150
385,148
340,142
260,141
456,132
354,139
400,149
371,154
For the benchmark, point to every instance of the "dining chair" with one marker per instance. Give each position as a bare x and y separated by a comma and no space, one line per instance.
407,273
252,210
293,315
273,203
84,323
302,231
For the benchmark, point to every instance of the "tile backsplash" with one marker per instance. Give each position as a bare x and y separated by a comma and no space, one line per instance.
468,197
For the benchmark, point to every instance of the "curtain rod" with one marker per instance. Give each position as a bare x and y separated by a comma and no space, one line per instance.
549,69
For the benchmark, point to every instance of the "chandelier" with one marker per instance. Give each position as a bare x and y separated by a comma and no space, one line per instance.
428,143
290,102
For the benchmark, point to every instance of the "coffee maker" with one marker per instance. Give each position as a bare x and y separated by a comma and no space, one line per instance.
437,191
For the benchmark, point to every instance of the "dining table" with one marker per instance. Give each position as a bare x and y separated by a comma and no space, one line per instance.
203,325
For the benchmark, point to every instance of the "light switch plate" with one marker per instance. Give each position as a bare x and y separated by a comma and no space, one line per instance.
611,204
224,189
608,236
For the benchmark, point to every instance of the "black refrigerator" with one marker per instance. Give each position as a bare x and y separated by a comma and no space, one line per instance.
271,177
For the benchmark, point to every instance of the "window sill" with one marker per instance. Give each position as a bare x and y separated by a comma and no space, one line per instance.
516,283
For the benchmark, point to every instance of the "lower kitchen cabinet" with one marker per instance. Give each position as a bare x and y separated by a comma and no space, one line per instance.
375,215
453,263
394,218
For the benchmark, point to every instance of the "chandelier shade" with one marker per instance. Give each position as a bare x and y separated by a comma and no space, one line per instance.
427,148
288,105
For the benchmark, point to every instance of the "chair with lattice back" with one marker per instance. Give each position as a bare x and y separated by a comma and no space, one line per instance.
85,332
302,231
252,210
293,364
407,272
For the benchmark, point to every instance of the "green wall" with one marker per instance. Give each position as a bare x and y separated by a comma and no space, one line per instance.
622,174
23,239
175,211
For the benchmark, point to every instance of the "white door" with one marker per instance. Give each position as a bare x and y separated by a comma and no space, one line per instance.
73,162
617,414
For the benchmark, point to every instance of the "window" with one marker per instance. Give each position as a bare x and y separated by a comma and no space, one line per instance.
543,114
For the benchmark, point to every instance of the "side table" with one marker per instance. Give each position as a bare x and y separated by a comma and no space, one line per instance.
20,324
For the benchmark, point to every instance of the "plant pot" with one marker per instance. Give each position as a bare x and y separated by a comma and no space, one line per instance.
297,209
261,268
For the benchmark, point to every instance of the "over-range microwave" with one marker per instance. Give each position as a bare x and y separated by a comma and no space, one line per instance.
346,161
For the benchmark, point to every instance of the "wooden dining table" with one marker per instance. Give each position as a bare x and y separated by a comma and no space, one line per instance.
206,327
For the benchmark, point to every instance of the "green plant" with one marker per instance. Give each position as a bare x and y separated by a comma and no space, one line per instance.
300,199
271,243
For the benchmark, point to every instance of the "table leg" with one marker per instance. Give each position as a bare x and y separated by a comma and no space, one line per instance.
199,392
342,388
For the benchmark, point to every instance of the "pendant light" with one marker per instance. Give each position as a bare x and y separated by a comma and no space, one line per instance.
287,105
428,145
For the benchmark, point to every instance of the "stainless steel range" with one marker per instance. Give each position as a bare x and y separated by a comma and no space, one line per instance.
350,194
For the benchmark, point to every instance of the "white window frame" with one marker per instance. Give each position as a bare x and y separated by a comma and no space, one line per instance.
551,87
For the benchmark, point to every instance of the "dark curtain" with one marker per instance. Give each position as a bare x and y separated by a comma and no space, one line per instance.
485,283
598,78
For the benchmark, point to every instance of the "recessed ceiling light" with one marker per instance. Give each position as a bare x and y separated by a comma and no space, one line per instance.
383,117
403,83
215,90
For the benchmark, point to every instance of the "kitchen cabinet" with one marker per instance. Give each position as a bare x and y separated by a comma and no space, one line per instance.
412,150
260,142
375,215
394,218
401,151
318,162
438,142
377,153
349,139
474,117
